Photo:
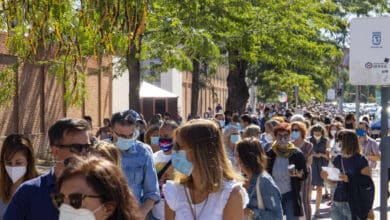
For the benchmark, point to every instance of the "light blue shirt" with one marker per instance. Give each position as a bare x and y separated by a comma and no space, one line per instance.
270,194
140,172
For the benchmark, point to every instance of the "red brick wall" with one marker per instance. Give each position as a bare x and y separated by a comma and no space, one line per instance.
39,101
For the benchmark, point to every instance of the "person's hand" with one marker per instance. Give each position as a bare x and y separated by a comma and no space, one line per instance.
296,173
248,212
344,178
324,175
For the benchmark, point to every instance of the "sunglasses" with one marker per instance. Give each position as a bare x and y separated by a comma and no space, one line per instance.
75,199
76,148
294,129
123,136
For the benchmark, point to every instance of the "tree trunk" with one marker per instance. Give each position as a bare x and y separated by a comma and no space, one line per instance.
133,66
238,93
195,88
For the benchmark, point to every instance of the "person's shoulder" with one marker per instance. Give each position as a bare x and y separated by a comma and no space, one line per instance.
370,139
33,185
143,148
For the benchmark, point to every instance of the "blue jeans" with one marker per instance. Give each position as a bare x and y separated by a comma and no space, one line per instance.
288,206
340,211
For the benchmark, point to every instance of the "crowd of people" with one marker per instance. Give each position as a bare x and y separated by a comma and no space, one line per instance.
224,165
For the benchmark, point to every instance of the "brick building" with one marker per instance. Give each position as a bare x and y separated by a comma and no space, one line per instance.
39,101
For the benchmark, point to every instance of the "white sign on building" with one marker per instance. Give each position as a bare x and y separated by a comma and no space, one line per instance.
370,51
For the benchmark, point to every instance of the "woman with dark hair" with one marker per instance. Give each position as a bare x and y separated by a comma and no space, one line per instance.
353,166
94,188
261,188
321,158
17,166
245,120
206,186
287,165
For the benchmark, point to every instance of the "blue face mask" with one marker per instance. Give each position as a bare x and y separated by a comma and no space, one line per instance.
360,132
123,143
295,135
234,138
180,162
165,144
154,140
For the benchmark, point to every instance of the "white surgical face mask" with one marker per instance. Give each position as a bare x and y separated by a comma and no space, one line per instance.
15,173
333,132
268,137
67,212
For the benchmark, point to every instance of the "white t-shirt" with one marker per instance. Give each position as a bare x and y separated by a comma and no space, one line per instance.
210,209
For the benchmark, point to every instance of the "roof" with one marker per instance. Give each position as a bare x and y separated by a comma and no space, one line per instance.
151,91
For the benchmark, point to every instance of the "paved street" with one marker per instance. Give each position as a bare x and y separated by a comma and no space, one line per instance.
325,209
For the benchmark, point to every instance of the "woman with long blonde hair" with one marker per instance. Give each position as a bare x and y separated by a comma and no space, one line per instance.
206,186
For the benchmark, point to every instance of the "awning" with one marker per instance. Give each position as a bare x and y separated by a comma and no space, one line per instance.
151,91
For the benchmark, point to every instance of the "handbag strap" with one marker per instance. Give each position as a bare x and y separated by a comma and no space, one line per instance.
162,171
260,203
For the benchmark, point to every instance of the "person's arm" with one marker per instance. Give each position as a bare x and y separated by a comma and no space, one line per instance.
147,206
326,155
234,206
151,192
300,167
272,202
98,133
376,155
324,176
169,214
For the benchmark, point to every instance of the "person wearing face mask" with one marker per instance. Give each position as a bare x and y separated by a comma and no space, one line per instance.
350,121
18,166
231,137
137,161
321,158
151,137
332,132
94,188
32,200
267,138
206,186
370,148
219,117
162,161
287,165
298,134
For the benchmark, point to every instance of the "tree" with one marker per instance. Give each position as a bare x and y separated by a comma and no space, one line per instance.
179,35
63,34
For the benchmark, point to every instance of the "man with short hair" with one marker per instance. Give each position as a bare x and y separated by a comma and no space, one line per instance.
369,146
33,199
162,161
137,160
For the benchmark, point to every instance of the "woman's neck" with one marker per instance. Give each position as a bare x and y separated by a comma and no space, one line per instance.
298,142
16,185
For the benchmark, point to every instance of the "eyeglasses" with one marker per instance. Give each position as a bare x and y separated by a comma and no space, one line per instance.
294,129
76,148
283,136
75,199
123,136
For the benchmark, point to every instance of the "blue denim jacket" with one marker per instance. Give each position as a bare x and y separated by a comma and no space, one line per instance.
138,168
271,197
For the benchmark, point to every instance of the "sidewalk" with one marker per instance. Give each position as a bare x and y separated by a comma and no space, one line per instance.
325,210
